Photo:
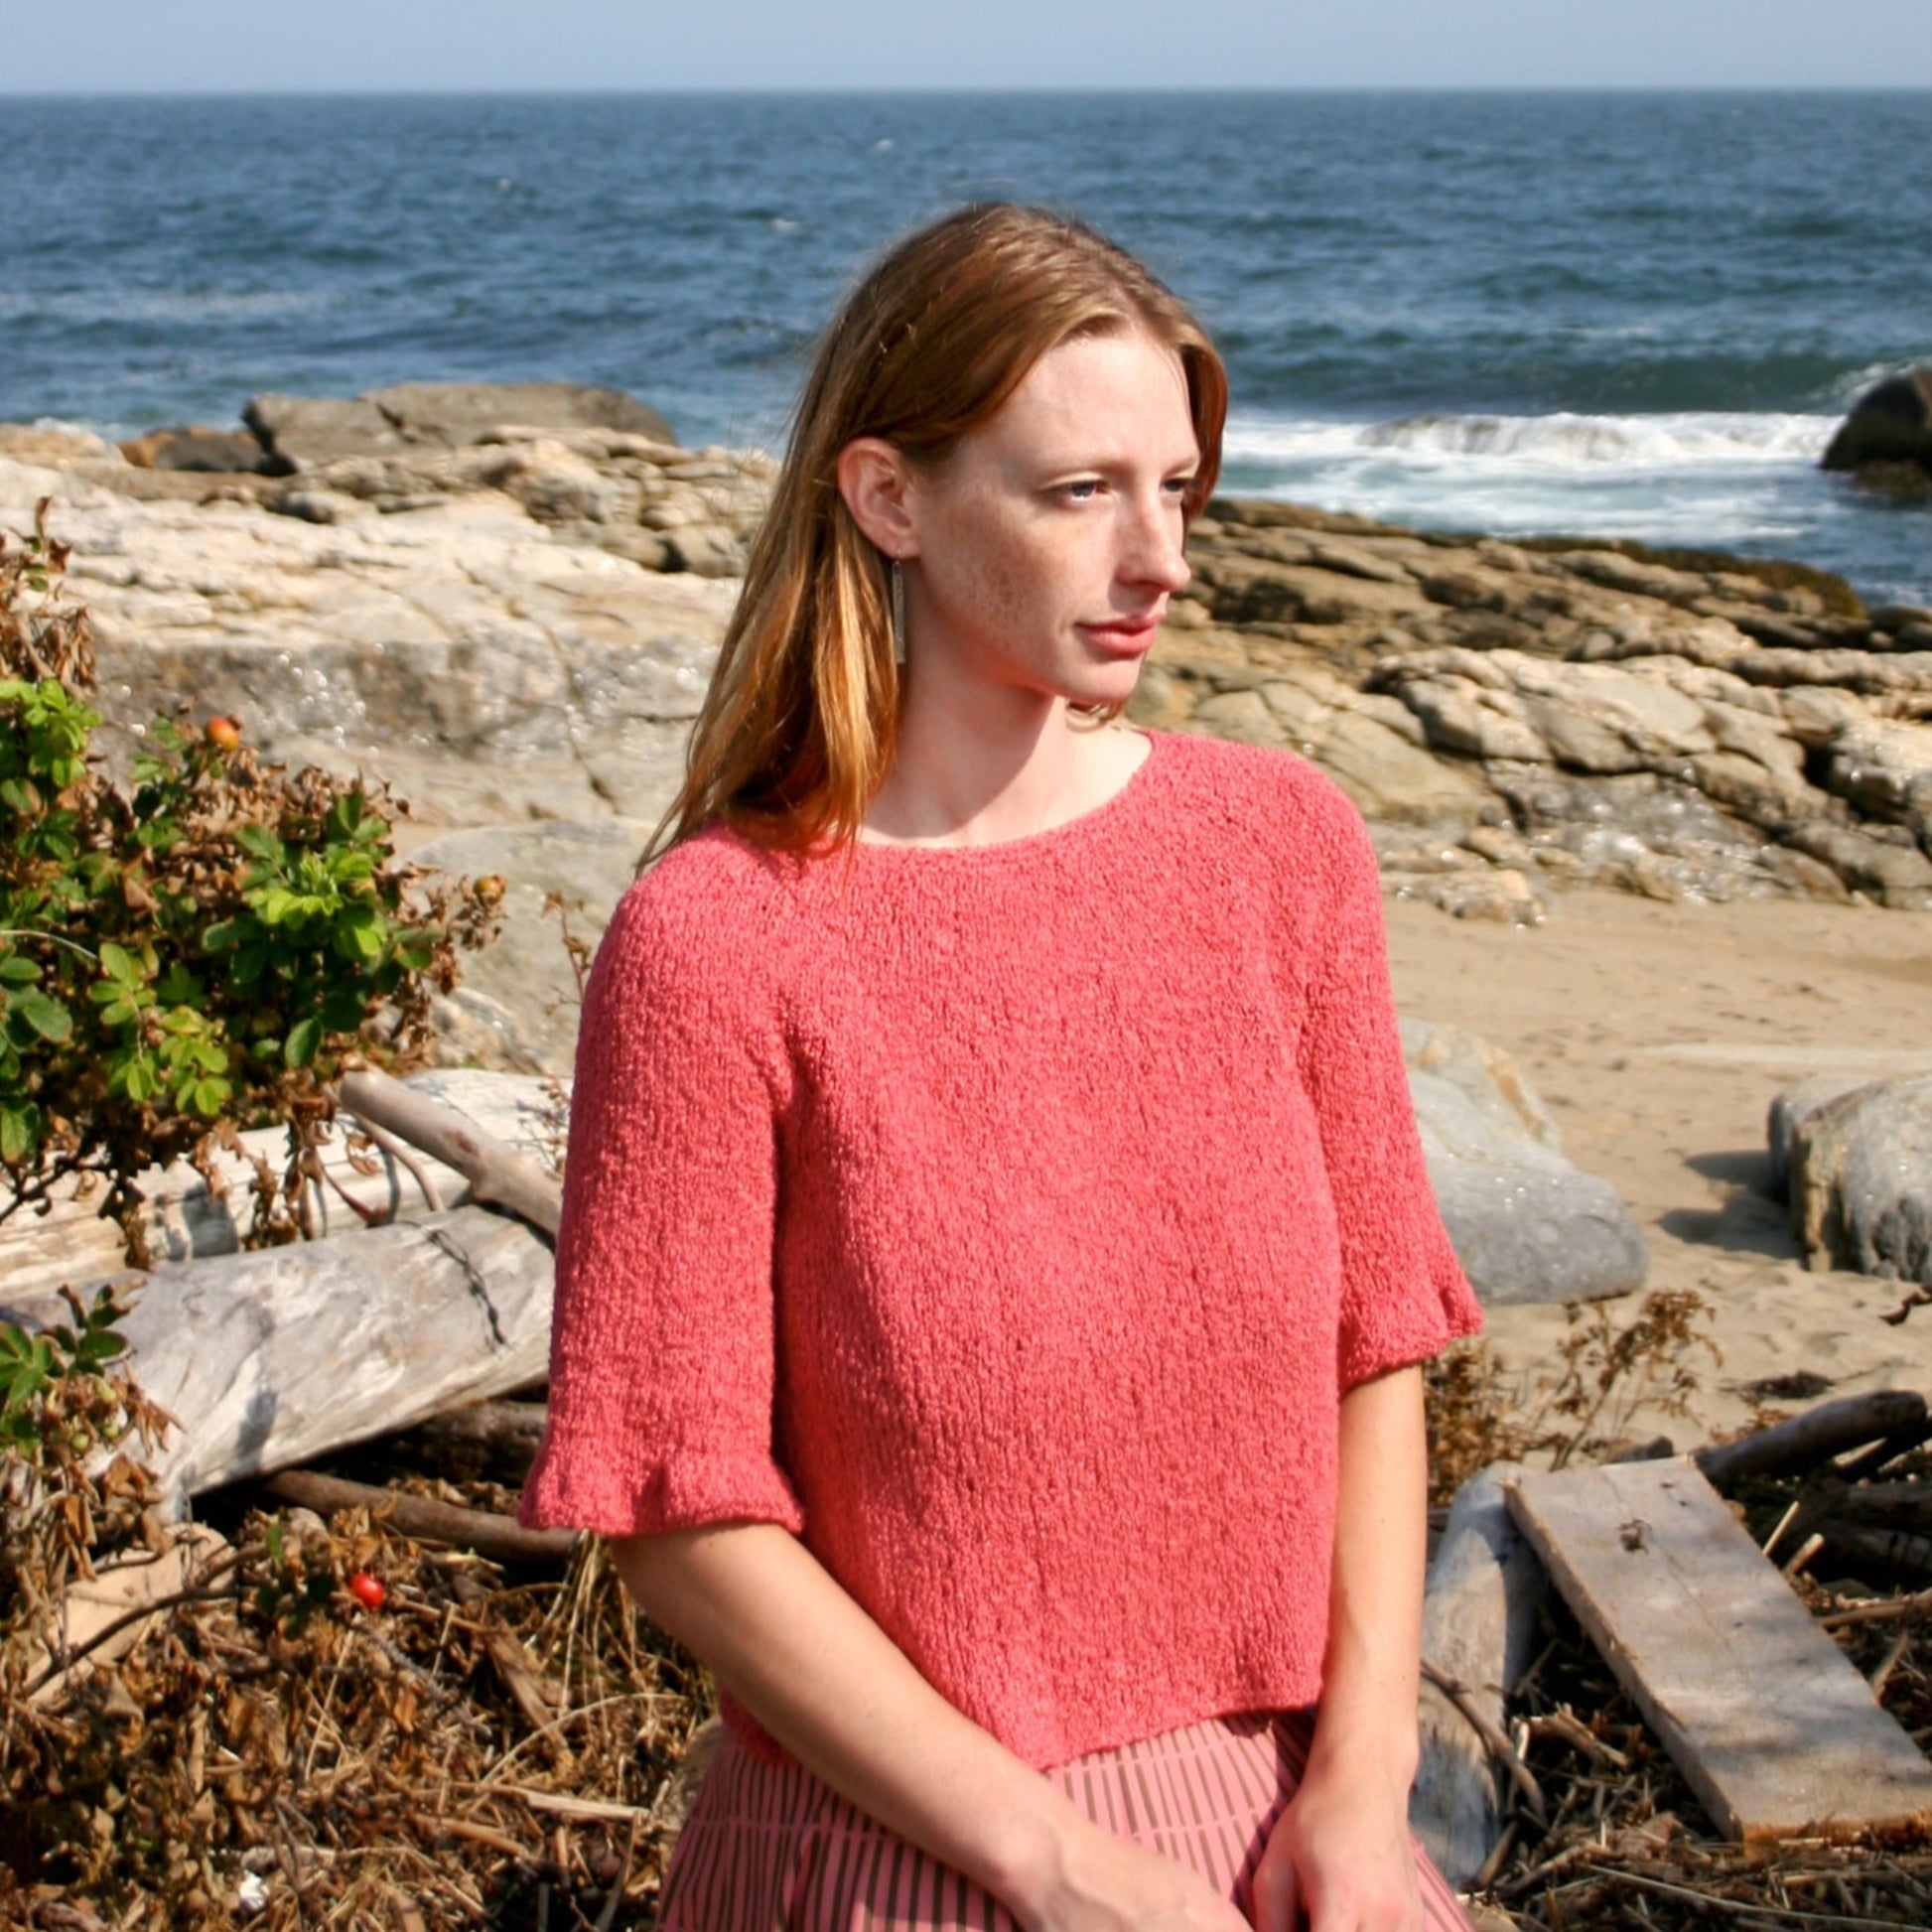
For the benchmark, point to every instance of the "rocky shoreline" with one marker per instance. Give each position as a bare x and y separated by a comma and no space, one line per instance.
513,621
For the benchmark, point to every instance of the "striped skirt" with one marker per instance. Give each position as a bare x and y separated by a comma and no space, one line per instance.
769,1847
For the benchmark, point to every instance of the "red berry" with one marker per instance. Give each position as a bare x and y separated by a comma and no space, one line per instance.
366,1590
223,733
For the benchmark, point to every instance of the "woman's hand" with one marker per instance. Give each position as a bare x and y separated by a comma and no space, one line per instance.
1108,1883
1339,1860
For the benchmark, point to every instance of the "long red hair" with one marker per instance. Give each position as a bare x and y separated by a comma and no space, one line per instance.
799,723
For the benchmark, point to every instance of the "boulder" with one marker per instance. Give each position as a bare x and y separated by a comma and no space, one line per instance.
304,432
1792,1108
516,1008
1890,423
1372,746
196,446
1526,1224
457,413
1858,1167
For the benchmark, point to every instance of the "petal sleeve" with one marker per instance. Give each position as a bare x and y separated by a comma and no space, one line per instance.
1404,1296
661,1346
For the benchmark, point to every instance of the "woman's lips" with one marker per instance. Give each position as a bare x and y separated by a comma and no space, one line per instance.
1124,637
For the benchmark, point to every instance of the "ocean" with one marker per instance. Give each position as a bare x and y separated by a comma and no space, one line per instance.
1619,315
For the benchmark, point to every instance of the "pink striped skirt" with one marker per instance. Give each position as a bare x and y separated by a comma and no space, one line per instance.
769,1848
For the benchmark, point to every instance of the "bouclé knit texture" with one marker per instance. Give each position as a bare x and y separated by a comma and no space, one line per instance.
1007,1221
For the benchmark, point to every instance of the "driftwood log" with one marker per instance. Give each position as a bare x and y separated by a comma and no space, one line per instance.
184,1220
1804,1442
271,1359
500,1537
1478,1627
499,1173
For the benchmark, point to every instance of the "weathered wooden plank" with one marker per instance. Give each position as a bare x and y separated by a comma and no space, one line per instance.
1478,1627
1771,1726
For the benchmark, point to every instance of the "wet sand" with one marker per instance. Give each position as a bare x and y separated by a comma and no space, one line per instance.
1658,1036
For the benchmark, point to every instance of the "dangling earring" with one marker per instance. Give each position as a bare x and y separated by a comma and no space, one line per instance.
897,577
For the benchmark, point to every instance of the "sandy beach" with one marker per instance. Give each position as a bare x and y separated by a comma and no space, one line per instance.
1658,1035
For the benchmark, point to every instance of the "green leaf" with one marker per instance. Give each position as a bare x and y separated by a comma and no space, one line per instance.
117,962
358,934
99,1345
48,1017
178,987
260,842
16,971
207,1097
341,1010
304,1037
18,1131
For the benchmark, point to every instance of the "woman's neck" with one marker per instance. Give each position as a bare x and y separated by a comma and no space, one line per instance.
965,780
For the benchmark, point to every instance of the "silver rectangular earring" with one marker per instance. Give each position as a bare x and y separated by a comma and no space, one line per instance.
899,611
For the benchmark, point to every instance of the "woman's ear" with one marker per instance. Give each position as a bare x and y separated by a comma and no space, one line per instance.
876,483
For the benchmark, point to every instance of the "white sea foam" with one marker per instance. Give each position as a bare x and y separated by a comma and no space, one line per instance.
1561,441
1708,478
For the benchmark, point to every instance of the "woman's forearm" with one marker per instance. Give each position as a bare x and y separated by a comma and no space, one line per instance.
787,1640
1340,1855
1368,1700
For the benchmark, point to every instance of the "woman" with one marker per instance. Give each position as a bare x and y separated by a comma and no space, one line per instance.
997,1250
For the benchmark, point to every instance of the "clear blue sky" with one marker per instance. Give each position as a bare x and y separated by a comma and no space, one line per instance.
261,46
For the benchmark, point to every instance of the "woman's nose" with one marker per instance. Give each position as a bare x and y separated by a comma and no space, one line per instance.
1156,554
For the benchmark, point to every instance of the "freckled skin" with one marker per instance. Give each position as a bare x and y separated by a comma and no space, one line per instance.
1057,519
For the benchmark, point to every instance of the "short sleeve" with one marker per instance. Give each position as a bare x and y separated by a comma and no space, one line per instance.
1404,1296
661,1346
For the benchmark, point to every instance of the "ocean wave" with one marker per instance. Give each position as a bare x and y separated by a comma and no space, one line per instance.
1556,441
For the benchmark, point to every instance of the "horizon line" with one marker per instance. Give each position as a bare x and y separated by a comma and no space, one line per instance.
722,90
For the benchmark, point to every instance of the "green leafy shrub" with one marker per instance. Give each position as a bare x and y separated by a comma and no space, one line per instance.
195,950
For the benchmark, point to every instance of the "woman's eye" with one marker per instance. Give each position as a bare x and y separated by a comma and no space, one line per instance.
1179,486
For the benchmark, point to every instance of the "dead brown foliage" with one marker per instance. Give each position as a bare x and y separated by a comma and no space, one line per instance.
1608,1373
279,1752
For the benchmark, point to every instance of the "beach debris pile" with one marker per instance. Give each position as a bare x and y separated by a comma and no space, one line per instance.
1722,1707
354,1690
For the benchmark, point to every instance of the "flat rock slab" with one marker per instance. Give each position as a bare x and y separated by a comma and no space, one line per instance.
1770,1724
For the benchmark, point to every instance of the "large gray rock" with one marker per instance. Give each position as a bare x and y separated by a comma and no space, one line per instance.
517,1009
199,449
1527,1225
307,431
1858,1160
1890,423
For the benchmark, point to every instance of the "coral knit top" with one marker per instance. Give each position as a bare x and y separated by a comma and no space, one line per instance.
1006,1221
